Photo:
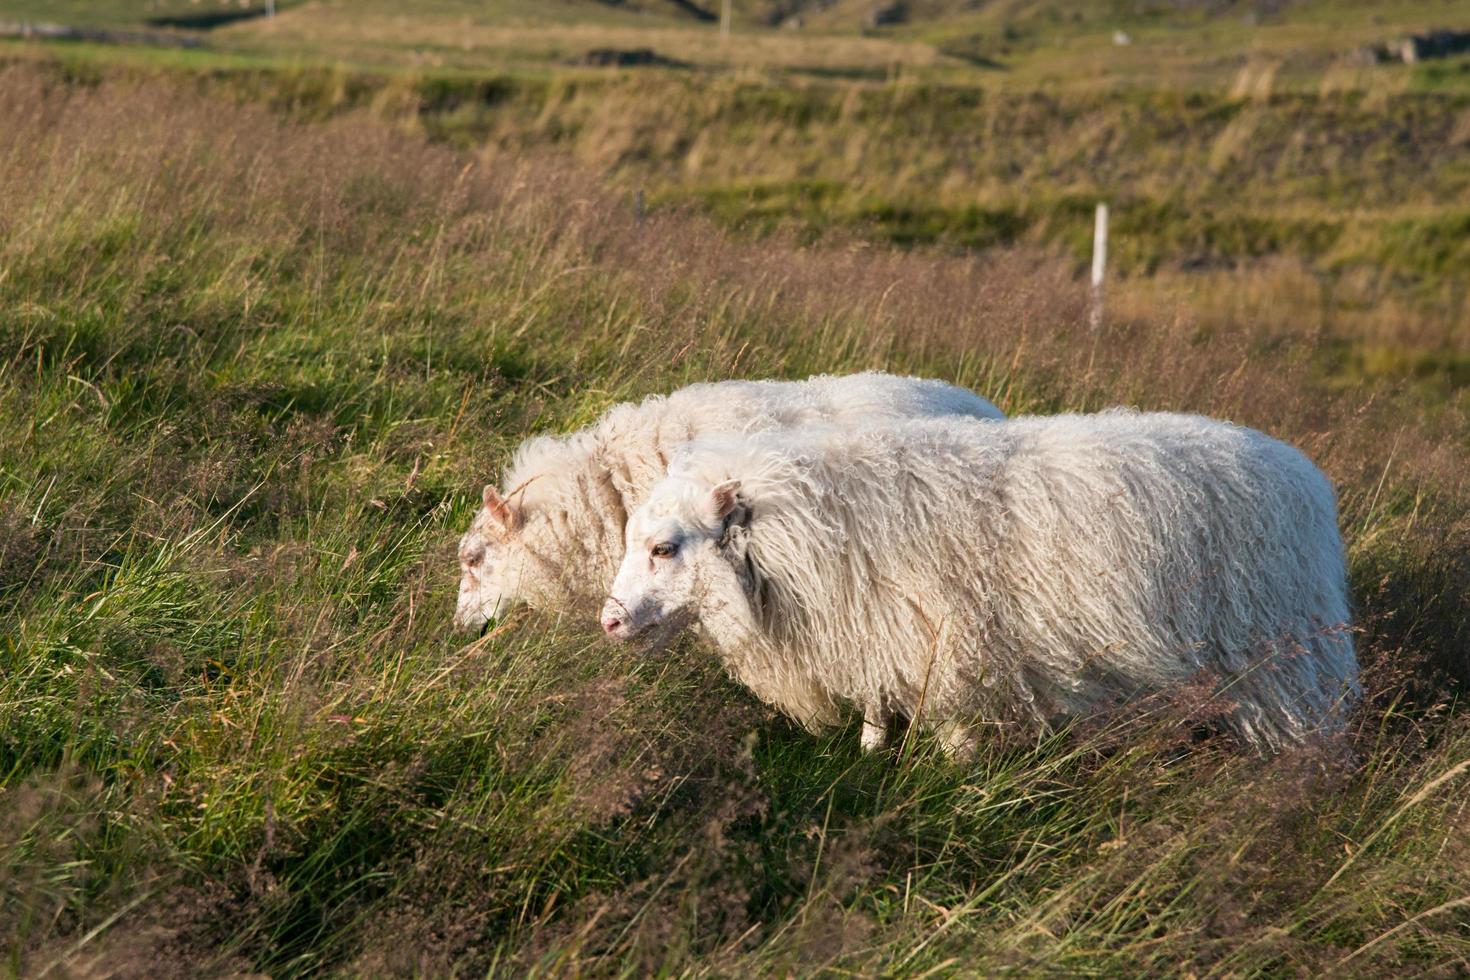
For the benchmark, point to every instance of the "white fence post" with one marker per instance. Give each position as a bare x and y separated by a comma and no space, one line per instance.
724,19
270,8
1099,264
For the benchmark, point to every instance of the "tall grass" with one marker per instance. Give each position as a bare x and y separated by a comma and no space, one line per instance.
253,373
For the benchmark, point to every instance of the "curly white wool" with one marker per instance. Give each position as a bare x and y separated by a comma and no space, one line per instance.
1024,572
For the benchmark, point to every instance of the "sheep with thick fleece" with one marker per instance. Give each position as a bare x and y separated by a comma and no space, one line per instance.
1029,571
554,537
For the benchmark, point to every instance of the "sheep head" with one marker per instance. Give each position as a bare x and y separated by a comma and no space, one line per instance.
485,553
677,556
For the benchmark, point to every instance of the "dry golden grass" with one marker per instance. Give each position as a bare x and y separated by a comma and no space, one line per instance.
470,42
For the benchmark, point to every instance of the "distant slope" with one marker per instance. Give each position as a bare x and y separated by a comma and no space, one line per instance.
210,13
1062,17
1016,18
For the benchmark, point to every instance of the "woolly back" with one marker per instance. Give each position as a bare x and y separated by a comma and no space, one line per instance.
544,469
856,535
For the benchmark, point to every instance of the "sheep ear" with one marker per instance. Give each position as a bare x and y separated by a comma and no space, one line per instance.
500,508
724,498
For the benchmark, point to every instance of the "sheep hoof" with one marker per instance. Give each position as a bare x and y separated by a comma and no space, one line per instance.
874,736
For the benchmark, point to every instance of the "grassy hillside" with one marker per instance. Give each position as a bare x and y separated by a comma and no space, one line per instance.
1229,139
253,369
1176,44
271,310
1343,210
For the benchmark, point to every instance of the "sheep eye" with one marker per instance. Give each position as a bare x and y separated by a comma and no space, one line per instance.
664,550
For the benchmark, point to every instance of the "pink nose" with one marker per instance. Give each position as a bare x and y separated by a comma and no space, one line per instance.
611,624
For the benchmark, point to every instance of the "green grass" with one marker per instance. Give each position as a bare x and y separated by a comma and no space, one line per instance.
1016,46
253,371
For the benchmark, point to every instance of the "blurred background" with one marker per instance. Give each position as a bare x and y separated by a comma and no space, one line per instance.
1302,158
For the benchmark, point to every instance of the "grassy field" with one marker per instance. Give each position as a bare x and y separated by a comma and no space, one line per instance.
265,329
1018,44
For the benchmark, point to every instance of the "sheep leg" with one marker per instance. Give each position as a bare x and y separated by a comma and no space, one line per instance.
875,727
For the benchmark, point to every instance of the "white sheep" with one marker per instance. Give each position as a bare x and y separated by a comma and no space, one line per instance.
1024,572
554,537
